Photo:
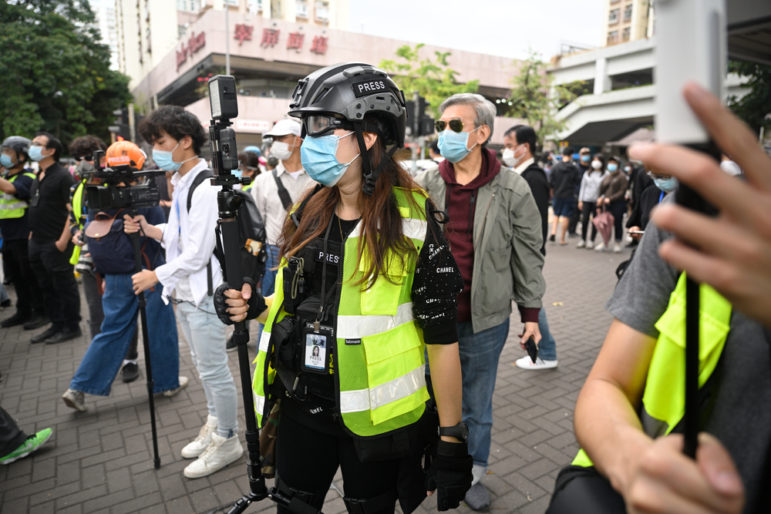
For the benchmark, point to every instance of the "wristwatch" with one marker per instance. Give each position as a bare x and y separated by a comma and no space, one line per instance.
459,431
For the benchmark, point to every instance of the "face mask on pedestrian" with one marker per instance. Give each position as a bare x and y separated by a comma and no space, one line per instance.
452,145
36,153
319,159
627,170
164,160
281,150
596,165
666,184
6,162
585,158
612,167
510,158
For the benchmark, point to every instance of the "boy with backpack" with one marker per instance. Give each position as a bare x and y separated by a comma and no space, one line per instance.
189,277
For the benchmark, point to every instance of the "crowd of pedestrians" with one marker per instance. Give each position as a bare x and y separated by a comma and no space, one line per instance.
383,291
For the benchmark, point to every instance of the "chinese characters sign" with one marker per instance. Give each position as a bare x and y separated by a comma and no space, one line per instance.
194,44
270,38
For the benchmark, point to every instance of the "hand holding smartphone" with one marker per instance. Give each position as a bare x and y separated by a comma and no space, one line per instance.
532,349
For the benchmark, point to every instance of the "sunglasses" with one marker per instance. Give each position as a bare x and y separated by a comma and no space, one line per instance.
88,157
456,125
317,125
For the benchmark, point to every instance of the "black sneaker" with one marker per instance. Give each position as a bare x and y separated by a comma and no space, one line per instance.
36,321
552,238
64,335
16,319
43,336
129,372
5,303
231,344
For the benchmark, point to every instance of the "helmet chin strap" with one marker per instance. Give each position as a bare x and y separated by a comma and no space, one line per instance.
369,175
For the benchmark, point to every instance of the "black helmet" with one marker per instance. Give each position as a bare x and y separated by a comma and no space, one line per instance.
18,144
355,96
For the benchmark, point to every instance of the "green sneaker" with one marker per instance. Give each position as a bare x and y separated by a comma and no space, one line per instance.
31,444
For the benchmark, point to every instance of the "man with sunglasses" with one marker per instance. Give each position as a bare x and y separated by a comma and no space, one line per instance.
491,212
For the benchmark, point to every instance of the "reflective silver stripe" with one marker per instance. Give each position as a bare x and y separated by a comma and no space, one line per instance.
411,227
12,206
259,404
370,399
356,327
264,341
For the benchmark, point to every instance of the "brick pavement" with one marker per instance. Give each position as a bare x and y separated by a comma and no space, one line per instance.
101,460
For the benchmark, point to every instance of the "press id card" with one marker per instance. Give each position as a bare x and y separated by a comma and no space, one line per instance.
318,340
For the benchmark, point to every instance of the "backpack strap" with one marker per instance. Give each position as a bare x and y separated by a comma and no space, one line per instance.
283,194
205,174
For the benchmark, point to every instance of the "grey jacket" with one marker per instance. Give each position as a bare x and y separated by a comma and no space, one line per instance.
507,242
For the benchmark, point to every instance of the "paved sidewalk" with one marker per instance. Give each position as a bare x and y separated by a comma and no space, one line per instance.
101,460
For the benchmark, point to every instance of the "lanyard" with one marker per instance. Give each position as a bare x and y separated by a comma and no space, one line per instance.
179,219
661,196
323,296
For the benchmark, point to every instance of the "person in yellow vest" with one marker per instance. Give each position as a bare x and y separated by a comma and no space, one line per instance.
248,166
366,280
628,417
15,186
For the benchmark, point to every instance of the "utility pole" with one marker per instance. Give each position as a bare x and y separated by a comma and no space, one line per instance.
227,37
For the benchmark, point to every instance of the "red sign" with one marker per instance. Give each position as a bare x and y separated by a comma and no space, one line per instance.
269,38
319,45
194,43
243,33
295,41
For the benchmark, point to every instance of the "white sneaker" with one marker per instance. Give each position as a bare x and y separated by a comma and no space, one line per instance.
616,248
581,243
589,244
600,247
182,384
74,400
200,443
220,452
527,363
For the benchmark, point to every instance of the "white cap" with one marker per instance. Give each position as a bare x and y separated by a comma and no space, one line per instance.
285,127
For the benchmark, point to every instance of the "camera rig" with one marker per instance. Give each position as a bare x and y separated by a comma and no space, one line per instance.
117,187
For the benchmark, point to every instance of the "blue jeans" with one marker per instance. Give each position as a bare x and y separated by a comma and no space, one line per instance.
205,334
547,348
269,278
479,354
105,354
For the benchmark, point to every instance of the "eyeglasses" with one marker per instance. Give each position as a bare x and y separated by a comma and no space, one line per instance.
319,124
88,157
456,125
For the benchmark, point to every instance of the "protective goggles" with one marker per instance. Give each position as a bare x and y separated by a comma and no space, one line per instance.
456,125
317,125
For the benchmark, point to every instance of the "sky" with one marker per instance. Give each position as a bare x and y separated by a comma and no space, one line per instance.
509,28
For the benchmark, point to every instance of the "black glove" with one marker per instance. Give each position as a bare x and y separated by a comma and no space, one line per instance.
450,473
256,303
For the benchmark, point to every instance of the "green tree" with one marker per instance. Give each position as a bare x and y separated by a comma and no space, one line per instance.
433,79
54,72
532,100
753,106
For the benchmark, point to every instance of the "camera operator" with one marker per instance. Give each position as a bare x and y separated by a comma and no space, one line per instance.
113,256
190,274
15,186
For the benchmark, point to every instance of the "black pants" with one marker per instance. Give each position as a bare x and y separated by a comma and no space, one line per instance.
587,213
578,490
617,208
57,283
11,436
307,460
574,217
16,259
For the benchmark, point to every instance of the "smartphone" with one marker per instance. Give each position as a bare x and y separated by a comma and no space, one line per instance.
532,349
636,232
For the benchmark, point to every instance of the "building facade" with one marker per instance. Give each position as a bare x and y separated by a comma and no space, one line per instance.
628,20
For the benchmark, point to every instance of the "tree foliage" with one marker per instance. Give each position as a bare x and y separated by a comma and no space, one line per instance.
54,72
752,107
531,98
433,79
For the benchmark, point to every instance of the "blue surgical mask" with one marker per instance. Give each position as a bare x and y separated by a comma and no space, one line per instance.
6,162
666,184
36,152
238,173
164,160
585,158
612,167
319,158
452,145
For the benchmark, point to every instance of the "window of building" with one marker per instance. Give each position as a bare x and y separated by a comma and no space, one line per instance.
628,12
232,2
255,6
626,33
613,16
301,8
189,5
322,10
612,37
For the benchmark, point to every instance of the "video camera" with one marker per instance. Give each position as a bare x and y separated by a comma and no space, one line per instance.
118,188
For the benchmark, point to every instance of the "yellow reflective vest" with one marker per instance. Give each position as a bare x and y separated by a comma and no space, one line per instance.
663,401
77,211
381,371
10,206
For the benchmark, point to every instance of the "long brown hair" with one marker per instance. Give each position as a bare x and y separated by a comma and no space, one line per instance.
382,234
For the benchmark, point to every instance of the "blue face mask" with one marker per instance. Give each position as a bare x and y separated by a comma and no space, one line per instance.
585,158
612,167
319,158
164,160
452,145
36,152
6,162
238,173
666,184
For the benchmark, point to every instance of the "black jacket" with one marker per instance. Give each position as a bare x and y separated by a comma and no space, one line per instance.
539,186
565,180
